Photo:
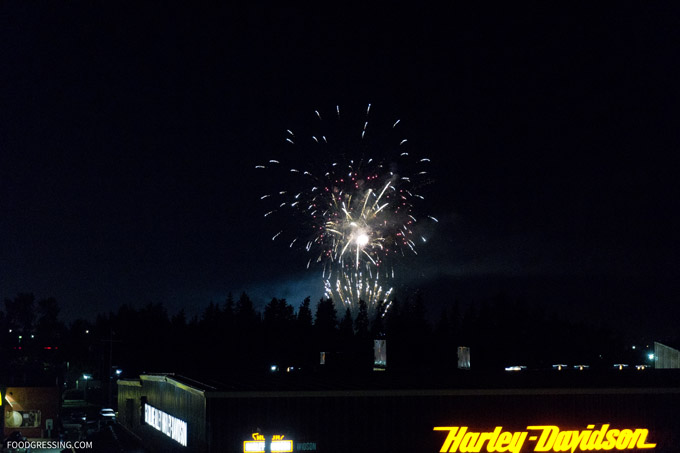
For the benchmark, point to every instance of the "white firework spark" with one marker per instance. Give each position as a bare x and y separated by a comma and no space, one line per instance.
357,215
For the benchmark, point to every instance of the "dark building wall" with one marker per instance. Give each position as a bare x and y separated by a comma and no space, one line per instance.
394,420
404,421
129,403
170,396
666,357
31,406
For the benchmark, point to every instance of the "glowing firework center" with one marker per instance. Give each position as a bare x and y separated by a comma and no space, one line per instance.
361,241
359,214
361,235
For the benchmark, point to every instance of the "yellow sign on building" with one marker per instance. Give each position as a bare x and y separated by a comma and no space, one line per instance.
278,444
543,438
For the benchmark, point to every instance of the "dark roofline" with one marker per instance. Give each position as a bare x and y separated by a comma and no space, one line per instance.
462,383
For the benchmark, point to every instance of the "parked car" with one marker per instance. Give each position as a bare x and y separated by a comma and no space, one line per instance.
16,436
78,417
74,421
107,415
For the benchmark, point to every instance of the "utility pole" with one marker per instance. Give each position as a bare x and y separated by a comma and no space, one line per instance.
109,383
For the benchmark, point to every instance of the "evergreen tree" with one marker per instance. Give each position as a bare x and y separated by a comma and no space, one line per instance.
20,312
278,313
307,350
278,322
304,315
326,315
248,333
228,338
363,343
178,323
49,330
211,315
325,325
346,326
362,323
245,313
228,309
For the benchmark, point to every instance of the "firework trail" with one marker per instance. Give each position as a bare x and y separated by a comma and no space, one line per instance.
354,215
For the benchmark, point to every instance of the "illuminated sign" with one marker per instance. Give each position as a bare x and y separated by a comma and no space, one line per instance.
380,353
278,444
543,438
172,427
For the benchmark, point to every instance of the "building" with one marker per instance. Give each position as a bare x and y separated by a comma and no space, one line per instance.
666,357
385,413
33,411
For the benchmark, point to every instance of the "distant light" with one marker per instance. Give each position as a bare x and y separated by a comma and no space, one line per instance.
10,330
634,346
87,331
515,368
32,336
640,367
559,367
273,368
87,376
119,372
276,446
651,356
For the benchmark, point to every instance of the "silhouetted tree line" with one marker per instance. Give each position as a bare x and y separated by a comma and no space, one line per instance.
30,336
233,337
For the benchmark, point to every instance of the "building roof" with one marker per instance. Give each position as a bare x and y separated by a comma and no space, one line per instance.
272,384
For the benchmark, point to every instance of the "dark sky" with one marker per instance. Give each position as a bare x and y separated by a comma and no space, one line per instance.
129,133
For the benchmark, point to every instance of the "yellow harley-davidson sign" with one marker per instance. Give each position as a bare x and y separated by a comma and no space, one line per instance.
543,438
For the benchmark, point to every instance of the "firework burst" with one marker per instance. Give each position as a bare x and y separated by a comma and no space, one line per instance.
355,216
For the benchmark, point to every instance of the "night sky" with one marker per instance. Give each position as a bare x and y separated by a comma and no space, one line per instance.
129,133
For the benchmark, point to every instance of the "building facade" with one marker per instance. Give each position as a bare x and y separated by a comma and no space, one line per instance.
175,414
33,411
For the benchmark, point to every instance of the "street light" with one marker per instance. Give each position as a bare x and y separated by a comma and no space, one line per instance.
86,377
